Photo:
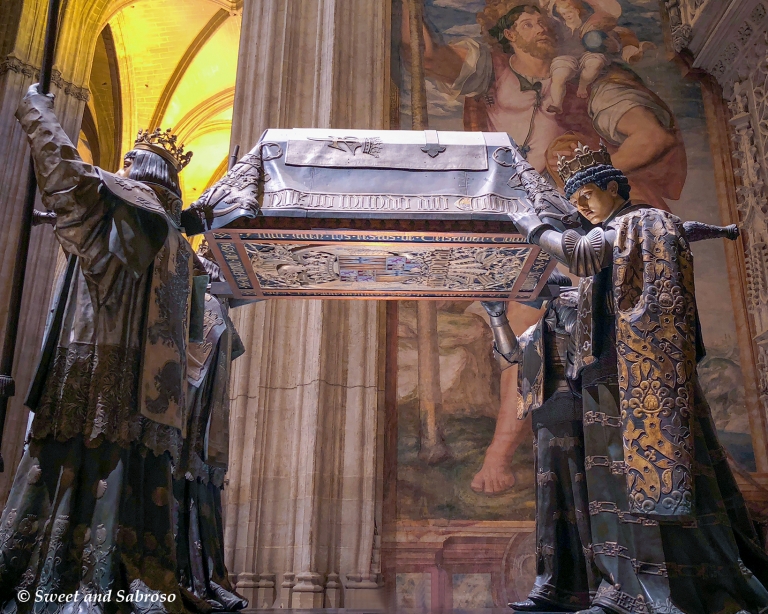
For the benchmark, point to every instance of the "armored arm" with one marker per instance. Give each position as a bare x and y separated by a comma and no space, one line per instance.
550,226
545,201
505,343
43,217
584,255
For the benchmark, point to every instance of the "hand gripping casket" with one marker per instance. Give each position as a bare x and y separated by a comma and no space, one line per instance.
373,214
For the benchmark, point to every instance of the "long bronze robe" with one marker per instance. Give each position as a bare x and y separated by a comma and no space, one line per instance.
565,577
199,477
669,526
90,509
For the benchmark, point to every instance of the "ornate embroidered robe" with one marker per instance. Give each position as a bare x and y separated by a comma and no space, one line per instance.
90,507
670,529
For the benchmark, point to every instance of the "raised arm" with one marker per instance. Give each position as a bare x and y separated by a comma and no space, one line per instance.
69,187
105,234
59,168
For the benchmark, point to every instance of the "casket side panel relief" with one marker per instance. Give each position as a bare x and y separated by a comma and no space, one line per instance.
374,214
380,265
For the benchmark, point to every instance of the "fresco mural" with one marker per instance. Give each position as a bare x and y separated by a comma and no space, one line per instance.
552,74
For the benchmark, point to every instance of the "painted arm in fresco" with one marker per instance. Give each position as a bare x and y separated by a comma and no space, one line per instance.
495,476
442,62
606,13
646,140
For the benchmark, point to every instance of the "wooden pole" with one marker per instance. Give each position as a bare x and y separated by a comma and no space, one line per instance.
432,448
7,384
420,118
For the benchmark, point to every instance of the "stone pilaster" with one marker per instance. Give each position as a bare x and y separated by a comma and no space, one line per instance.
304,486
729,40
265,593
18,70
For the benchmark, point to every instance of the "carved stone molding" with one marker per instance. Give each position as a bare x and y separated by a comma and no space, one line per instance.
14,64
749,122
681,30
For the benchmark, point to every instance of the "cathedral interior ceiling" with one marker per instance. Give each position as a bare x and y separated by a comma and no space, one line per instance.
169,64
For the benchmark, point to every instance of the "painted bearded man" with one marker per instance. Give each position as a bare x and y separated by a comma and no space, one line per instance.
90,510
670,531
507,84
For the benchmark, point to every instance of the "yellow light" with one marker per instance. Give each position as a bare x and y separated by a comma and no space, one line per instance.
210,150
159,43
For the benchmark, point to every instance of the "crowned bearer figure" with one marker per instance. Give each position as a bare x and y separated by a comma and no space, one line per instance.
669,528
90,510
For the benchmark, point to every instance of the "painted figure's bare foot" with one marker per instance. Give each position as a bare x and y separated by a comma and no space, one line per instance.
495,477
553,108
582,92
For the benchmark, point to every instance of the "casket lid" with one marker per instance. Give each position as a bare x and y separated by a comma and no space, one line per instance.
428,150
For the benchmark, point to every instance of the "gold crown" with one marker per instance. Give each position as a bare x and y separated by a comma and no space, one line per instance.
583,159
163,144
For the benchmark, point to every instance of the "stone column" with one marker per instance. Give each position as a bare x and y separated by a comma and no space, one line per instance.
304,484
21,44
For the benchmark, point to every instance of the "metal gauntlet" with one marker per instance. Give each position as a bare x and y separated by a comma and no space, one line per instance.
504,340
698,231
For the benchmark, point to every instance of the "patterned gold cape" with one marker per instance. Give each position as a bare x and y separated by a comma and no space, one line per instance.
656,334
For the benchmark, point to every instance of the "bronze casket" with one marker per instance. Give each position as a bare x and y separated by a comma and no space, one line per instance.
373,214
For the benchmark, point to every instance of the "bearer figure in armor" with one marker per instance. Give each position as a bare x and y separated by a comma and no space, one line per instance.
199,477
669,528
565,579
90,509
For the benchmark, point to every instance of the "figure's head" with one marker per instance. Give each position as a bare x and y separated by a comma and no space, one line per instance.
525,29
157,161
594,186
151,168
559,279
597,200
572,12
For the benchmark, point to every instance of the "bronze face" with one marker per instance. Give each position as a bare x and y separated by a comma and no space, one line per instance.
597,204
126,170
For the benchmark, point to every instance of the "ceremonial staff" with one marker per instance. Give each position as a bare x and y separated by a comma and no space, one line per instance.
7,385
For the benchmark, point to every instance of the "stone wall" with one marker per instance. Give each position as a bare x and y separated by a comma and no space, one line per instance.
303,503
